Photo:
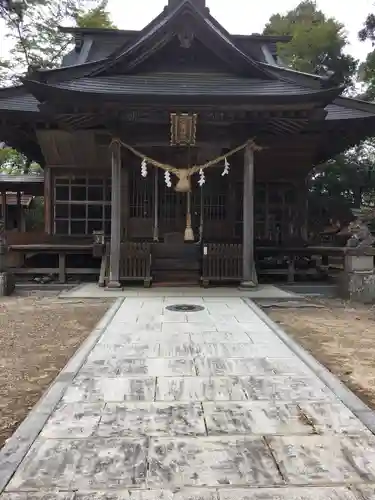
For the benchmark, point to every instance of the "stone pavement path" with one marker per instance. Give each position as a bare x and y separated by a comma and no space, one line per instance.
209,405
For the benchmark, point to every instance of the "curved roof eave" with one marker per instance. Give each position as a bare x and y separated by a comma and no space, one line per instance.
47,92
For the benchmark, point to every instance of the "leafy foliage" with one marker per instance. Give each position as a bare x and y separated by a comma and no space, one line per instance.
317,42
36,39
343,184
366,72
97,17
368,30
14,163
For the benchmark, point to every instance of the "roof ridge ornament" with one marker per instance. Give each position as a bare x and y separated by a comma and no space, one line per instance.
201,4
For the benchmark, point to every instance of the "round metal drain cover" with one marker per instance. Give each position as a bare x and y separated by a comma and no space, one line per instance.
185,308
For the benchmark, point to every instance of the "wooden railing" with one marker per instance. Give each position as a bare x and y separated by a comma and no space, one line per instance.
135,263
221,262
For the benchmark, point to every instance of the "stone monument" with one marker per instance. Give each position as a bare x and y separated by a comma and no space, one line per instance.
358,279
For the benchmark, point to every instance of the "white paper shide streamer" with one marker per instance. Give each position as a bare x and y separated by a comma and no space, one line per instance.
167,177
226,167
202,177
144,168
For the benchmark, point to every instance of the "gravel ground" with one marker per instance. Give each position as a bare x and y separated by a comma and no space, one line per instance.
341,336
37,337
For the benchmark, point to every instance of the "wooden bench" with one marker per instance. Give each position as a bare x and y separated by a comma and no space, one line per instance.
29,244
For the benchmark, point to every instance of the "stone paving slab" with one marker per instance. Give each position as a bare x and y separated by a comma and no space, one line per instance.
241,389
211,462
289,494
339,493
268,418
217,367
118,366
110,389
82,464
212,406
325,459
91,290
240,350
367,492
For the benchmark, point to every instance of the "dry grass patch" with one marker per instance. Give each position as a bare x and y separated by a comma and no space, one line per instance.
38,335
341,336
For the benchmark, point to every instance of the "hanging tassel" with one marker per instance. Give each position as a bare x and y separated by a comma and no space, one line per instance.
144,168
202,178
167,177
226,167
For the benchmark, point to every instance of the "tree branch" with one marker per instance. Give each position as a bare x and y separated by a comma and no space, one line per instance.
6,13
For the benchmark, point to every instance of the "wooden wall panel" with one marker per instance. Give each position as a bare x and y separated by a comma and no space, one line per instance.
78,148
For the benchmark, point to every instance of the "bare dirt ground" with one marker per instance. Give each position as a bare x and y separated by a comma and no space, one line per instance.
37,337
341,336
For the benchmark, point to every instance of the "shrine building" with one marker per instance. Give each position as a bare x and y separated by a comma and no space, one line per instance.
178,151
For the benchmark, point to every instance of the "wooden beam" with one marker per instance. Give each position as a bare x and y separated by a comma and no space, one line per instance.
115,248
249,276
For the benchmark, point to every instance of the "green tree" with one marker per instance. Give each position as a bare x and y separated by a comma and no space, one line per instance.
366,71
343,184
97,17
35,36
317,44
14,163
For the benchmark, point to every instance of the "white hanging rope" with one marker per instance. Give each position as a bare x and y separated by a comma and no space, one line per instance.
202,177
144,168
226,167
167,177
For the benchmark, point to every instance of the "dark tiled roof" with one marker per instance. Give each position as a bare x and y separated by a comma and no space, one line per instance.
11,199
182,84
336,112
17,99
21,179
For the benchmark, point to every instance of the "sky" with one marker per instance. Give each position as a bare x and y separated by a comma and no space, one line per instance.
241,16
249,16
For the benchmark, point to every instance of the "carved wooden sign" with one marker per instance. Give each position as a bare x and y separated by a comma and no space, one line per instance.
183,129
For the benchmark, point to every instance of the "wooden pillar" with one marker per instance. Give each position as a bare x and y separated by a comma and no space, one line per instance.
19,211
156,205
114,263
5,211
48,201
302,210
249,276
124,198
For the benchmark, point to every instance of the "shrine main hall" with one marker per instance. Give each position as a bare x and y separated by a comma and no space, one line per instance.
180,151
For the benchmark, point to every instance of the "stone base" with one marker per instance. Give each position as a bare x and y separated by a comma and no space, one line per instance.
7,284
114,285
248,285
358,286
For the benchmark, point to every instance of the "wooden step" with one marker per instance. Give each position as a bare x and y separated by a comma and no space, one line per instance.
162,251
176,265
175,284
182,277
